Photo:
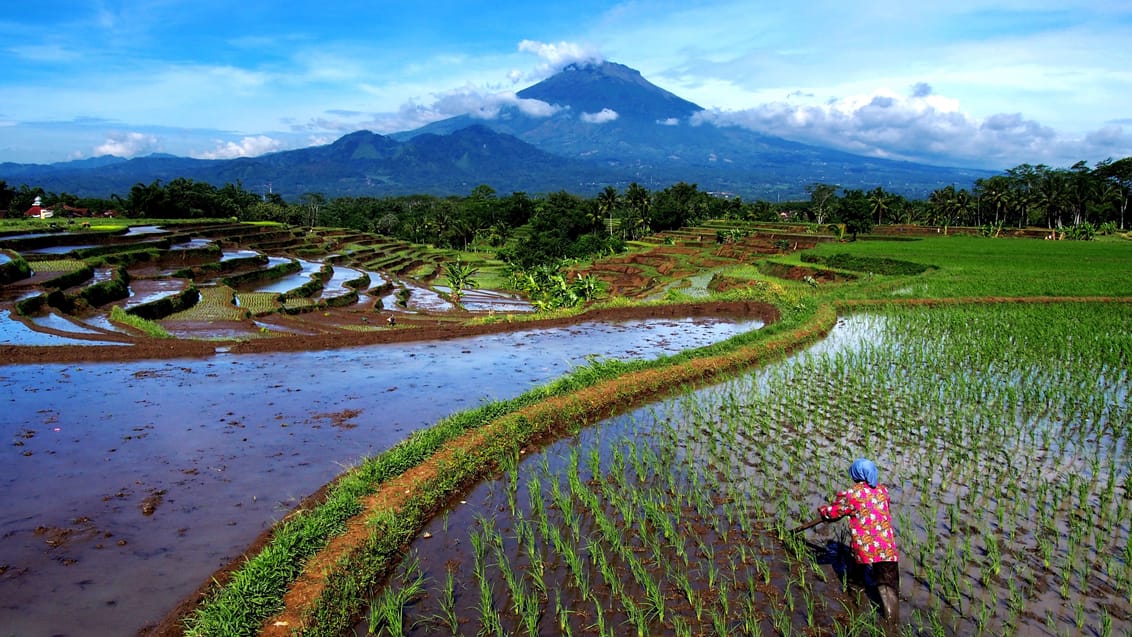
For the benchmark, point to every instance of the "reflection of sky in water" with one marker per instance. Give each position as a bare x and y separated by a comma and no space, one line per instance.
233,441
102,321
336,284
54,321
63,249
143,230
15,332
4,258
376,279
228,255
158,289
291,281
484,300
191,244
420,299
33,235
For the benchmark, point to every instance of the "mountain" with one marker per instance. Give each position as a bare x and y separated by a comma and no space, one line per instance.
588,126
360,163
609,114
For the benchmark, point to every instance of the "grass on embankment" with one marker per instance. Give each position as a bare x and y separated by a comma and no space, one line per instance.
963,268
145,326
256,591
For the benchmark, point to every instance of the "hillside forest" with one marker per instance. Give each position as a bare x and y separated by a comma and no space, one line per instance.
528,230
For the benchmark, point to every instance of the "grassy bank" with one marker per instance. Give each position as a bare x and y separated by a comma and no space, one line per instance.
586,395
429,466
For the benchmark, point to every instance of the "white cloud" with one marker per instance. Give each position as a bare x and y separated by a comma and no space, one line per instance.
557,56
671,121
246,147
605,115
127,145
923,126
465,101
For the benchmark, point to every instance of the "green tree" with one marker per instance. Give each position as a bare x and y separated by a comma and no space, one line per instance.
639,204
1054,196
880,202
6,195
607,201
996,192
268,211
313,202
1119,174
822,200
855,211
761,210
965,208
1024,180
678,205
481,208
460,277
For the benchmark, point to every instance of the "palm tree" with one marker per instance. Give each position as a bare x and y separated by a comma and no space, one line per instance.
594,215
941,205
1053,196
607,201
964,206
637,198
1118,172
997,192
879,202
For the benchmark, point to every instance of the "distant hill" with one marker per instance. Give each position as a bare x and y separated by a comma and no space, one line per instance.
609,126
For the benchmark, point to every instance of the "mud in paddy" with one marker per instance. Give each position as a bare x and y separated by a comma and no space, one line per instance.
127,483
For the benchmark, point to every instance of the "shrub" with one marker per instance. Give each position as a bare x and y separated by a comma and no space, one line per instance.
1081,232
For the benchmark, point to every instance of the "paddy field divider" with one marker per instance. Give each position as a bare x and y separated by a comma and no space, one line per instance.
316,572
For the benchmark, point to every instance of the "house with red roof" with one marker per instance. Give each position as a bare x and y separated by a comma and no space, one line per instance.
38,211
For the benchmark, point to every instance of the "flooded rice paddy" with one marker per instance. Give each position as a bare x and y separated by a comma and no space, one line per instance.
127,484
1008,460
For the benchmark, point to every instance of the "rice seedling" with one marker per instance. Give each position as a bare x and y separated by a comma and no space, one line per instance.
447,615
387,612
218,303
1008,474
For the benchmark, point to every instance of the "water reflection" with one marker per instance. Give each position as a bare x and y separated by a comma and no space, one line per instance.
16,332
222,447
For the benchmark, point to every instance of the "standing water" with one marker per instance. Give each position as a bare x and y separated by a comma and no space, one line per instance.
127,484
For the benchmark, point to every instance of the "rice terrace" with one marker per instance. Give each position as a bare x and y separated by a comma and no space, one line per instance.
224,428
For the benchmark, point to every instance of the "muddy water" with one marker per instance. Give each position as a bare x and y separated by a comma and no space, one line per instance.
445,544
758,447
126,485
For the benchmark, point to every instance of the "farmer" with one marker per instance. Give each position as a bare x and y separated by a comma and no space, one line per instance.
873,542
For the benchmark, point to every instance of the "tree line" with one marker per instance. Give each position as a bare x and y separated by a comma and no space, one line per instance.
529,230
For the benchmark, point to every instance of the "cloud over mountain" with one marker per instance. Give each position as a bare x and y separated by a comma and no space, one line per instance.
247,147
127,144
600,117
920,126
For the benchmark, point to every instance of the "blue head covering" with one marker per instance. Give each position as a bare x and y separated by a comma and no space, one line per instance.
864,470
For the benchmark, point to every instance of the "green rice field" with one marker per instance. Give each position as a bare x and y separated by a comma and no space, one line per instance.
1002,431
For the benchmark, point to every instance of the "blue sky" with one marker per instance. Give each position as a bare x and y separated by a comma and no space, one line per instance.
989,83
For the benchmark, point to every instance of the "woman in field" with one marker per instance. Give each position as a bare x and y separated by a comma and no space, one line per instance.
873,539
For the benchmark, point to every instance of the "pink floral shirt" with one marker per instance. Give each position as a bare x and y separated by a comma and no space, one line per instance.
870,522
